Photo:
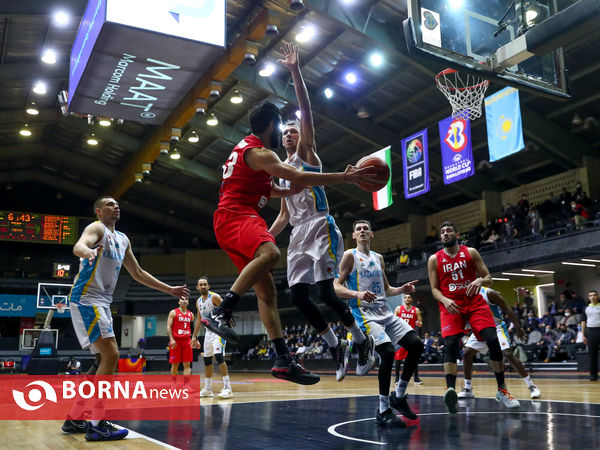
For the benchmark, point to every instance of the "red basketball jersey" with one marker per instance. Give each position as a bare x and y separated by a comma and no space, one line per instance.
455,274
410,316
182,324
244,189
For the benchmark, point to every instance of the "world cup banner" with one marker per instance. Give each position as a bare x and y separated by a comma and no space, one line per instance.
85,397
415,163
457,150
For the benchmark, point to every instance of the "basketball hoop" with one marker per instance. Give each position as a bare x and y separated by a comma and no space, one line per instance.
464,92
61,307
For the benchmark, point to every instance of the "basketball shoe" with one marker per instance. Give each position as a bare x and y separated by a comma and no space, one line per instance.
288,368
401,405
220,324
504,397
340,356
534,391
366,356
225,393
205,392
451,400
466,393
389,419
104,431
75,426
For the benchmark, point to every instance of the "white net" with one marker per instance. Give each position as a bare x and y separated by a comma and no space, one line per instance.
464,92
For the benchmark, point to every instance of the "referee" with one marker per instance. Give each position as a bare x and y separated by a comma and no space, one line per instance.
591,332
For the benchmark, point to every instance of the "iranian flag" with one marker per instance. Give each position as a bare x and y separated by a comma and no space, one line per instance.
383,197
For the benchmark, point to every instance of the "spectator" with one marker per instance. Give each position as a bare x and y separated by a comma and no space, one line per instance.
548,320
548,342
565,198
569,320
536,223
552,307
562,303
252,352
403,260
73,367
523,206
577,303
301,349
493,237
531,323
565,342
534,338
579,214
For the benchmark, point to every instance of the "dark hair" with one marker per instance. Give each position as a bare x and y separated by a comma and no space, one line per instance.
447,223
203,278
291,123
262,115
98,202
361,221
593,290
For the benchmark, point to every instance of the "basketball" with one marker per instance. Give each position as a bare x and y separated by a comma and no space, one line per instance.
383,173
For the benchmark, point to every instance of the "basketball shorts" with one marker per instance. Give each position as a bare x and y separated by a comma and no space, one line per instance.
381,324
476,312
213,344
240,235
182,352
315,250
90,323
482,347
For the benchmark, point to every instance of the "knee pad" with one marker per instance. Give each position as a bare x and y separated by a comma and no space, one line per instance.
219,358
451,348
491,339
300,294
208,360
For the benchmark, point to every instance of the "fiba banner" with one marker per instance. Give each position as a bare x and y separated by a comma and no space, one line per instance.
136,59
503,120
457,150
415,162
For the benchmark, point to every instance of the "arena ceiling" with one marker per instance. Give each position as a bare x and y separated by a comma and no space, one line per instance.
55,171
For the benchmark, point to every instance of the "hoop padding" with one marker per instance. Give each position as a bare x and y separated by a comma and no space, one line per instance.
464,92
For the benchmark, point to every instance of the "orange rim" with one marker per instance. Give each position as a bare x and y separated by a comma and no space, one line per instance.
450,71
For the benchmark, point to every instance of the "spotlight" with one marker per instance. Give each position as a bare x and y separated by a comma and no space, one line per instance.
215,89
164,148
25,131
267,70
174,154
362,113
61,18
138,177
351,77
49,56
146,168
214,93
530,16
376,59
193,137
328,93
249,58
40,88
212,120
32,110
237,97
271,30
104,121
92,140
201,105
576,120
296,5
306,33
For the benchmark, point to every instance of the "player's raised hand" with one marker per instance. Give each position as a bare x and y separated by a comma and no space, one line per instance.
409,287
180,292
451,306
367,296
290,55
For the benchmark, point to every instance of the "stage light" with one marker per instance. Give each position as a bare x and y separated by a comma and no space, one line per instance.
212,120
328,93
193,137
49,56
40,88
236,97
267,70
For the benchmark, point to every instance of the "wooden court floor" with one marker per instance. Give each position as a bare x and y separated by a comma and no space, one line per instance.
267,413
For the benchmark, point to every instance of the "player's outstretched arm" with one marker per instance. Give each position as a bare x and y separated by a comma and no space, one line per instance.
485,278
391,291
306,149
90,237
281,221
450,305
496,298
143,277
339,284
266,160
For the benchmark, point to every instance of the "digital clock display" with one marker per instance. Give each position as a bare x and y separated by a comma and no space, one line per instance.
34,227
61,270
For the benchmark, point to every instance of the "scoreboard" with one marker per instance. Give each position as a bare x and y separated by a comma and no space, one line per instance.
41,228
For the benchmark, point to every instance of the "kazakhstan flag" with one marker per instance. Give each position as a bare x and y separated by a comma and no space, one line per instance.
503,119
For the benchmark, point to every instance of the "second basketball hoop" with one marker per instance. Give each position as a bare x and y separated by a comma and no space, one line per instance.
464,92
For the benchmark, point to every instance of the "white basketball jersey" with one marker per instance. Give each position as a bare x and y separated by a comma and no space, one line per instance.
367,276
496,310
96,281
311,201
205,306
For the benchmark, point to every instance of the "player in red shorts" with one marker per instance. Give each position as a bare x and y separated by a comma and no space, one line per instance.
240,231
179,330
455,285
411,315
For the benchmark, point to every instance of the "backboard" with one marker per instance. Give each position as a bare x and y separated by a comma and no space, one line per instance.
499,39
51,294
30,336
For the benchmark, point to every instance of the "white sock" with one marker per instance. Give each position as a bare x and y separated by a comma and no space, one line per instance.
401,388
208,383
357,334
467,384
226,384
528,381
330,338
384,403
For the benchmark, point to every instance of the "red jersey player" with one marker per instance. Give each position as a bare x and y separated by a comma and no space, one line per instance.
180,342
240,231
411,315
455,284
